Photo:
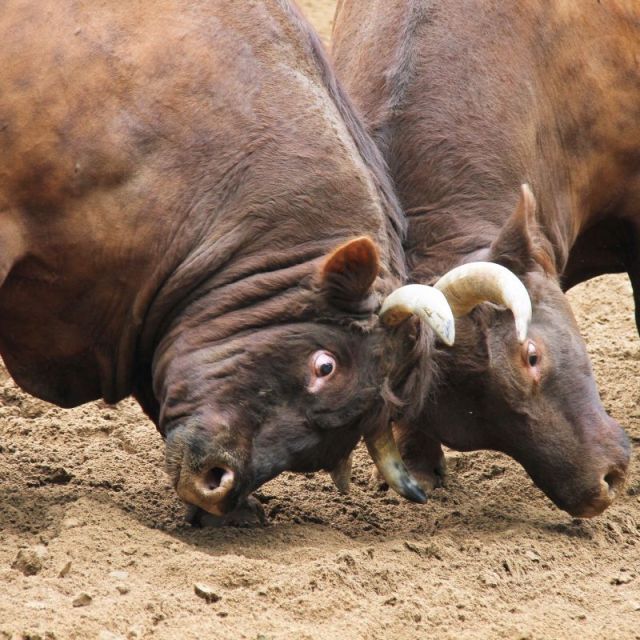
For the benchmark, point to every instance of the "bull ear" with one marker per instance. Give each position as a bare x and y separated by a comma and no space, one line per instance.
521,246
348,273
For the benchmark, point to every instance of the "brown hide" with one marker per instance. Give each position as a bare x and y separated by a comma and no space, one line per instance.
172,176
468,100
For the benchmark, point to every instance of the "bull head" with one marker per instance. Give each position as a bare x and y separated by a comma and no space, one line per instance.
529,393
456,293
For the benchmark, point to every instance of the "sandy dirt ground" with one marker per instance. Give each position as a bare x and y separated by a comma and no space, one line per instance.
88,514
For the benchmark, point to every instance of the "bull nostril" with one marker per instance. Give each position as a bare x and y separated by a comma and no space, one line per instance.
213,478
599,497
216,481
209,488
614,480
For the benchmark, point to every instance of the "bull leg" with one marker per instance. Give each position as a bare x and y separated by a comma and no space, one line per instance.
422,455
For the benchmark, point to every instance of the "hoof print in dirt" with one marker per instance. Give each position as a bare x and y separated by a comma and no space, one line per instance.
206,593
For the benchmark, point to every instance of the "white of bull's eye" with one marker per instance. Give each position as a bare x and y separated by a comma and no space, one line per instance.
324,364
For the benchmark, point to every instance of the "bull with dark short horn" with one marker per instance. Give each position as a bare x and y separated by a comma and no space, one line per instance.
216,243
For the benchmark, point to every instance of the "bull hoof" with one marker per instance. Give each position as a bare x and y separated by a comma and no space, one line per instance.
249,513
428,478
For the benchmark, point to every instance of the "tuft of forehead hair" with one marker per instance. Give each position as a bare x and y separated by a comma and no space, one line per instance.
410,370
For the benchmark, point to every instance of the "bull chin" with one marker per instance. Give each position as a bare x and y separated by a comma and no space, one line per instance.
592,497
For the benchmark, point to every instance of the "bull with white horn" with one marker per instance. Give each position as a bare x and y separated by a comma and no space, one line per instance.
462,123
456,293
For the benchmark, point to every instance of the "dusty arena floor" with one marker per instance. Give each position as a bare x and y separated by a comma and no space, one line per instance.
86,509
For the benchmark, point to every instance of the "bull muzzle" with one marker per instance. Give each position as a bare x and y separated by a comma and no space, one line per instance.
208,489
610,487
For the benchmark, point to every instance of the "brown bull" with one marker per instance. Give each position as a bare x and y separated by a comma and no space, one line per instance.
468,100
190,212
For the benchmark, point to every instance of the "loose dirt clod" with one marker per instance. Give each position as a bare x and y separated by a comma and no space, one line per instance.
108,635
206,593
119,575
82,600
71,523
30,561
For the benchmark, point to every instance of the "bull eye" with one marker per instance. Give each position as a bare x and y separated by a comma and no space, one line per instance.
324,364
532,354
325,369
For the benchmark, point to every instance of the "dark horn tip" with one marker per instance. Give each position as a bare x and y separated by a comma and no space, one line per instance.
413,491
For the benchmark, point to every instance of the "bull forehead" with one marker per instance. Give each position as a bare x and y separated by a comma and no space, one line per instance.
551,308
284,347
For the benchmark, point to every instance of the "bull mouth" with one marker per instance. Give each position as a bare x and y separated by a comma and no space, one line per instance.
601,498
590,511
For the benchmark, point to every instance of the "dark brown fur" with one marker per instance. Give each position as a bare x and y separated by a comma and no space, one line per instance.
173,176
468,100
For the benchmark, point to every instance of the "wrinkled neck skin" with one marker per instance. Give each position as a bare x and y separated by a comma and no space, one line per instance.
216,286
247,295
230,372
441,238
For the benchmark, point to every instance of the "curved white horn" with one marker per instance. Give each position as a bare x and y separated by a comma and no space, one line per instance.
426,302
470,284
